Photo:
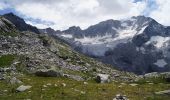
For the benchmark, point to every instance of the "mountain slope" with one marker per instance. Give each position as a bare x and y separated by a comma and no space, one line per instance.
20,23
139,44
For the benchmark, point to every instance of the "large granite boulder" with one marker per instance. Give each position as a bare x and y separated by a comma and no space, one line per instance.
23,88
48,73
102,78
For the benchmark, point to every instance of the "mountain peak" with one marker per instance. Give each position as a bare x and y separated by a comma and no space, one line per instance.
73,30
20,24
142,18
10,14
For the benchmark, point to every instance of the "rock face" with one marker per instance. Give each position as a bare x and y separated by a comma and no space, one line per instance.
138,44
49,31
6,25
102,78
23,88
20,23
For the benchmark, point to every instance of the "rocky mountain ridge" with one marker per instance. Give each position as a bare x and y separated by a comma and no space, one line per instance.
139,44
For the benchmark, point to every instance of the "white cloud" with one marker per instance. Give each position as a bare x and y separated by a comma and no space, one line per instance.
3,5
83,13
161,14
40,25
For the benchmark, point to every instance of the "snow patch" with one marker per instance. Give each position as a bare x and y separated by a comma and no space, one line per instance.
160,63
94,40
67,35
158,41
95,50
124,24
141,30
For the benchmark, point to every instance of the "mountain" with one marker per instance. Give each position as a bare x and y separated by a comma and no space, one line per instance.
39,66
138,44
49,31
43,55
20,23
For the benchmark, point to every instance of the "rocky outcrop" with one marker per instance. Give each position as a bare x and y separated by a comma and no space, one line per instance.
5,25
48,73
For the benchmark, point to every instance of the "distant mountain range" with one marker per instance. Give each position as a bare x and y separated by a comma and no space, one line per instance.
138,44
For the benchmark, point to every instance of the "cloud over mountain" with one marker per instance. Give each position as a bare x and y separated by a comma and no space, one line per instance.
65,13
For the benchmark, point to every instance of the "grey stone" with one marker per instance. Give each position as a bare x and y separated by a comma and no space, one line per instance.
133,84
102,78
14,80
23,88
1,77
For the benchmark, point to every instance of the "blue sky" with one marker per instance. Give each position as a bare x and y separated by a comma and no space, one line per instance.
61,14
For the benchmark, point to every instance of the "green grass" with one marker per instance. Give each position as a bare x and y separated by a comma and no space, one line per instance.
6,60
72,91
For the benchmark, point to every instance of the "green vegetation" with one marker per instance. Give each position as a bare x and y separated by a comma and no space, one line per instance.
6,60
77,90
12,33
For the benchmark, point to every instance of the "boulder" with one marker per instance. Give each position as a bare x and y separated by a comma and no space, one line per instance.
48,73
120,97
63,84
102,78
14,80
23,88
